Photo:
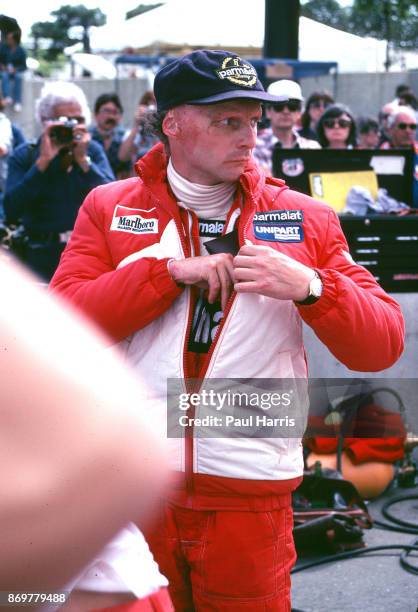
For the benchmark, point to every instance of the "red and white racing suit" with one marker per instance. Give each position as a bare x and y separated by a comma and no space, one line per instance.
115,270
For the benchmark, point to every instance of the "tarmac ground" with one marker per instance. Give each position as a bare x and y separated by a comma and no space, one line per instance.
375,582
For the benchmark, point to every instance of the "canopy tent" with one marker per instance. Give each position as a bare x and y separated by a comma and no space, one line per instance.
235,23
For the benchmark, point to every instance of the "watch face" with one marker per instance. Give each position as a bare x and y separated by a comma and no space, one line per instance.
316,287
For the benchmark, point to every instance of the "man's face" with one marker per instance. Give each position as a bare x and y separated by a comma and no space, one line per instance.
212,143
402,133
284,115
108,116
369,140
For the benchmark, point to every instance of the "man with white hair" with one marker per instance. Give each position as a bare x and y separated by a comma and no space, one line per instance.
402,126
48,180
284,118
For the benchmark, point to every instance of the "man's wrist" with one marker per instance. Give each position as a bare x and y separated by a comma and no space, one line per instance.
172,269
314,291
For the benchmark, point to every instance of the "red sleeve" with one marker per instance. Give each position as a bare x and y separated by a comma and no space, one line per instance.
360,324
119,301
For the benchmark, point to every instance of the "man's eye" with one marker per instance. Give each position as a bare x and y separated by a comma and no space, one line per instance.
229,122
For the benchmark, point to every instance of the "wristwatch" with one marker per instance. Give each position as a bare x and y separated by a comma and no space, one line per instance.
315,291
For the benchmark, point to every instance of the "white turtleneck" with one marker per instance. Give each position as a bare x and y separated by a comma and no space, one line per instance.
207,201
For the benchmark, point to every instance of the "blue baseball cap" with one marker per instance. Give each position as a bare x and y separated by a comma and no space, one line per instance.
205,77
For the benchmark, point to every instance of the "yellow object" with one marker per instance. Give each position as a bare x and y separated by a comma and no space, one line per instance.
370,478
333,187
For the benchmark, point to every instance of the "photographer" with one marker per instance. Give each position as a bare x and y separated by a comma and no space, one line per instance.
49,179
138,141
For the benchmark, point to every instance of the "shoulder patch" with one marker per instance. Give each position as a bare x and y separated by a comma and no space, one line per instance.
279,216
134,220
278,232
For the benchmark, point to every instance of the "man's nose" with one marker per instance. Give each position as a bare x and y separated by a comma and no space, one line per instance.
248,136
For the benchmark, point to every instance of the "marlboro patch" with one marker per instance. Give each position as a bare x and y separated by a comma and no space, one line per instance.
134,221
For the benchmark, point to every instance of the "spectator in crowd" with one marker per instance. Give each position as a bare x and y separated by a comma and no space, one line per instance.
10,137
408,98
6,146
317,102
368,133
13,65
399,91
402,126
138,264
48,180
336,128
384,114
139,140
109,133
284,118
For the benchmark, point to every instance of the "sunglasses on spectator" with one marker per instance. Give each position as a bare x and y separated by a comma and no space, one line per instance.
292,105
406,126
342,123
319,104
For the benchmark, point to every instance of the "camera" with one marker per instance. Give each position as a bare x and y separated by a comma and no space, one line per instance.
63,133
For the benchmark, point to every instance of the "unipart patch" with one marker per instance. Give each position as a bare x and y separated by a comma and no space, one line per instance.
279,216
278,232
134,221
293,167
236,71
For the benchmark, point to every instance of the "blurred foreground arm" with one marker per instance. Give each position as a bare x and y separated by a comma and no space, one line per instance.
79,454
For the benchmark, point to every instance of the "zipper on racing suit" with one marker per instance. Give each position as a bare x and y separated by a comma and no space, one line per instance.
193,388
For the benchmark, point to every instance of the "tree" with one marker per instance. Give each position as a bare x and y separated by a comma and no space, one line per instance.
55,33
63,31
328,12
395,21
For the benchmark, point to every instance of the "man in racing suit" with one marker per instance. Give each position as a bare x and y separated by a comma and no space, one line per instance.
138,264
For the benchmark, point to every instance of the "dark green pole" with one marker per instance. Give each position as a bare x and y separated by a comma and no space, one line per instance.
281,29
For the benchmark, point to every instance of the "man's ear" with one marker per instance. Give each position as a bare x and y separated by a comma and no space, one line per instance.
170,125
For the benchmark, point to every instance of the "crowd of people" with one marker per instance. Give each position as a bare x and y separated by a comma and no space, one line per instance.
138,258
43,183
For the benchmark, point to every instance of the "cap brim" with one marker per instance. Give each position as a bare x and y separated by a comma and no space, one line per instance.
262,96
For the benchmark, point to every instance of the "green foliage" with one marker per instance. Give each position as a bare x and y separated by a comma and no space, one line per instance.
328,12
395,21
48,67
61,32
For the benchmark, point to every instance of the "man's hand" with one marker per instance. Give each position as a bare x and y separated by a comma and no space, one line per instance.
81,141
261,269
49,148
140,113
211,272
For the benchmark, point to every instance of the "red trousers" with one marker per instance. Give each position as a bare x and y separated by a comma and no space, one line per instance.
226,561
